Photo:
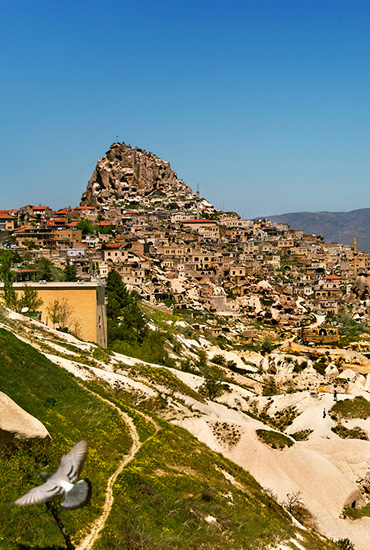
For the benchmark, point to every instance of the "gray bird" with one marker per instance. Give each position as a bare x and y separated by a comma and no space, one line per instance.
62,483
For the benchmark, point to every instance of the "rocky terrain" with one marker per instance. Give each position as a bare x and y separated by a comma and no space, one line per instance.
129,174
340,227
266,417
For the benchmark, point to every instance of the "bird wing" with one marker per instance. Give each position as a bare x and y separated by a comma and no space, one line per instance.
71,463
42,493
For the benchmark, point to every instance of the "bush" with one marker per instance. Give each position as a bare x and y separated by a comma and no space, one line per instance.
358,407
218,359
274,439
320,366
270,388
302,435
345,544
211,388
266,346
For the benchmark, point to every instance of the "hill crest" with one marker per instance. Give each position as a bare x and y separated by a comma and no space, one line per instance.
339,227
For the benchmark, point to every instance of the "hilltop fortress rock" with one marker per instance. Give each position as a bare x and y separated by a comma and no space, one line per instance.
132,174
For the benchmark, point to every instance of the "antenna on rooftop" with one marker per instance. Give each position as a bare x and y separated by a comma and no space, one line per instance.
197,201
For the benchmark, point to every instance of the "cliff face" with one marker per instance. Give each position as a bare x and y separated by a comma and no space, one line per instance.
127,173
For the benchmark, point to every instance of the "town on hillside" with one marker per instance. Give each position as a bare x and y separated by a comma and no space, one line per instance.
202,259
251,335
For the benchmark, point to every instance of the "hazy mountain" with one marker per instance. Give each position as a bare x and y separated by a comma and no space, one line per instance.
341,227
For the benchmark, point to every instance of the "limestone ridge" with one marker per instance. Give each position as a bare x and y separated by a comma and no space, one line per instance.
131,174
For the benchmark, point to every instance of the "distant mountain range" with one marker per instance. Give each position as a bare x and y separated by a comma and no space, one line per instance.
340,227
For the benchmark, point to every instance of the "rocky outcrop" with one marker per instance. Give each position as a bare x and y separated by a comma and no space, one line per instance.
361,288
15,423
130,174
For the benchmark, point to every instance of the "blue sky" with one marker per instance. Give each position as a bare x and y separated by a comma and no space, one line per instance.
264,103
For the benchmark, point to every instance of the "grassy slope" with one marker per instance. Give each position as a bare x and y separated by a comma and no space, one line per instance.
70,413
162,498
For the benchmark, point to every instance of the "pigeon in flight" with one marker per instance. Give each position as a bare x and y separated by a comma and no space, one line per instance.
62,483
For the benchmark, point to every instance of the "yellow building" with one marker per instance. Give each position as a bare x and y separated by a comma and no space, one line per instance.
86,302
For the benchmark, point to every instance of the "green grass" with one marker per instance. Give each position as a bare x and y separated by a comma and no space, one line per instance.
275,440
162,497
125,401
163,377
70,413
302,435
354,433
162,500
358,407
357,513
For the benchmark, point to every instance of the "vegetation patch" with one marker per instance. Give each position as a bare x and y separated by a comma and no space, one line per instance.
346,433
357,513
168,512
284,418
70,413
358,407
275,440
163,377
302,435
320,366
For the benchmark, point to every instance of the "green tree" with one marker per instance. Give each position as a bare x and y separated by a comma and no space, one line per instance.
86,226
266,346
29,298
125,318
118,295
70,271
44,267
211,388
7,275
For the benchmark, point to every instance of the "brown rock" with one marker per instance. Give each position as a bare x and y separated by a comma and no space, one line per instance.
126,173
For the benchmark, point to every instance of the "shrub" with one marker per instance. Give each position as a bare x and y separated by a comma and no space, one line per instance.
218,359
266,346
345,544
302,435
358,407
211,388
354,433
320,366
274,439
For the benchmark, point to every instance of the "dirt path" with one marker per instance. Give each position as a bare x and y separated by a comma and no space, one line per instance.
99,524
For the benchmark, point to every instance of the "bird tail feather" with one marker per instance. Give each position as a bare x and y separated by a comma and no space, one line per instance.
78,496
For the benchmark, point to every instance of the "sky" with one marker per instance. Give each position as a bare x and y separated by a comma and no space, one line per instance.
265,104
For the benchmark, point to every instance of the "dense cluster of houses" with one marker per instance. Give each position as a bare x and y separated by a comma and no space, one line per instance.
219,262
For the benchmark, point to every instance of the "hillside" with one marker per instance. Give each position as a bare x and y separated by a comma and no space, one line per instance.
340,227
170,489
